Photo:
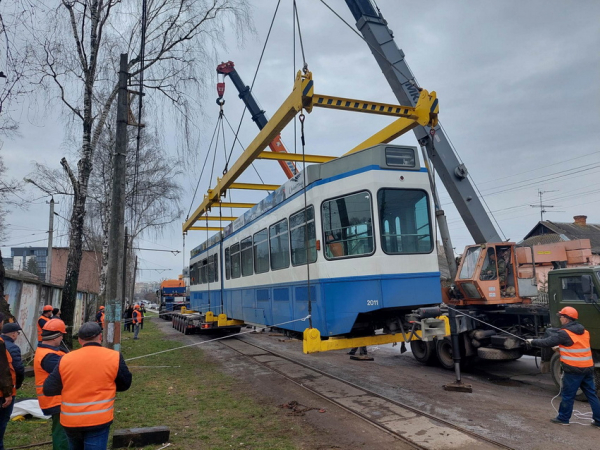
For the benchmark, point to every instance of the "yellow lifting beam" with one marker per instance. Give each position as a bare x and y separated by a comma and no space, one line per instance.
425,113
297,157
255,187
215,218
299,99
438,328
206,228
236,205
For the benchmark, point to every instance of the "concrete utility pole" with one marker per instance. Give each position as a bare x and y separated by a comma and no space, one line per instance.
50,232
116,238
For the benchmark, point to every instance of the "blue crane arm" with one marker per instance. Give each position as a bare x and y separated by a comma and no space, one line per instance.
451,171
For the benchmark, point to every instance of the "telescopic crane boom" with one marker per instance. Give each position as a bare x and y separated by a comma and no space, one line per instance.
258,115
452,172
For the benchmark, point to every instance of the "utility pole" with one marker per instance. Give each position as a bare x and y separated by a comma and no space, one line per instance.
124,274
116,238
50,232
133,278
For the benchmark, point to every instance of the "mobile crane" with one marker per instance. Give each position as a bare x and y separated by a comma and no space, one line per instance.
258,115
489,305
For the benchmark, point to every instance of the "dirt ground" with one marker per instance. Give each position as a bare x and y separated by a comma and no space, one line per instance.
510,403
333,429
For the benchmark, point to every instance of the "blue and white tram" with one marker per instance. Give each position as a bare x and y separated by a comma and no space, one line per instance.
365,225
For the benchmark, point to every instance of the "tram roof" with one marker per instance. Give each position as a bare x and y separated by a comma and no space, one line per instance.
378,155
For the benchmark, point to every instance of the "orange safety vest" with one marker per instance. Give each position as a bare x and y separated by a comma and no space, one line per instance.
46,402
40,328
89,389
13,374
102,319
137,316
579,354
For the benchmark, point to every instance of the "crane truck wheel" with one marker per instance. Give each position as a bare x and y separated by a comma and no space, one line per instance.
424,352
556,372
498,354
443,350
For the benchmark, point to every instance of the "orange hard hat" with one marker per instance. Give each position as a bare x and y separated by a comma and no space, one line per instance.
102,307
55,325
570,312
137,306
48,308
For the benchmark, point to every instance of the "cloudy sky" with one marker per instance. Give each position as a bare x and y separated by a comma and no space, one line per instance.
518,83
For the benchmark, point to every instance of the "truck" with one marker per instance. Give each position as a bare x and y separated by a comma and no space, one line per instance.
488,315
172,296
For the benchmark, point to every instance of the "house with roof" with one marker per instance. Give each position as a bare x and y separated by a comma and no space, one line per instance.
547,232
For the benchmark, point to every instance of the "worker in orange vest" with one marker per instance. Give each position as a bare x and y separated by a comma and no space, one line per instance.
47,357
45,317
136,320
573,342
88,380
8,390
100,317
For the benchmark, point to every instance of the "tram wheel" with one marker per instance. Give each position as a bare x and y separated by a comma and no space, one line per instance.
423,351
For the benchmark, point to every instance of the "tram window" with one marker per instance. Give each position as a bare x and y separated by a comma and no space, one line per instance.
203,272
261,252
246,251
216,267
404,221
280,245
302,230
235,261
348,225
210,270
227,264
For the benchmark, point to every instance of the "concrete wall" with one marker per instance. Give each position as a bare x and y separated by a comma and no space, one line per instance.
27,297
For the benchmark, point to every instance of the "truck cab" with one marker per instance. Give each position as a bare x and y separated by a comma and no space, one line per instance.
578,287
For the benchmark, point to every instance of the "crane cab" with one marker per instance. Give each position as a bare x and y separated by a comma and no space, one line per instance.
487,276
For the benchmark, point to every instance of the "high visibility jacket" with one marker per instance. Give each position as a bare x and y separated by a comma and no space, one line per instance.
137,316
40,328
100,318
46,402
89,389
579,354
13,374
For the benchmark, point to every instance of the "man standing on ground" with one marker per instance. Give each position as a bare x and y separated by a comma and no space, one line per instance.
10,332
45,317
576,360
8,381
136,320
47,357
88,380
56,314
100,317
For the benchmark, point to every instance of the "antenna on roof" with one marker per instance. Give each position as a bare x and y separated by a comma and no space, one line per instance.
541,205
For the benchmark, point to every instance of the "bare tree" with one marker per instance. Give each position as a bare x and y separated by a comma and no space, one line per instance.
77,54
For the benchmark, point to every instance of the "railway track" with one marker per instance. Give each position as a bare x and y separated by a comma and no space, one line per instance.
415,427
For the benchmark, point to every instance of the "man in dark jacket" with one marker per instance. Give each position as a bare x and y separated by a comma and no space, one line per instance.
10,332
576,360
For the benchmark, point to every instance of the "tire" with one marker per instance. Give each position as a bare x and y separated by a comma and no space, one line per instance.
556,372
443,351
497,354
424,352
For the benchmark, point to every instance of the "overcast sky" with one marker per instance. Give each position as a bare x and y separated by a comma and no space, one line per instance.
517,80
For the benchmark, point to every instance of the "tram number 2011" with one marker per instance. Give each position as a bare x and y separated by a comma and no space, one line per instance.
372,302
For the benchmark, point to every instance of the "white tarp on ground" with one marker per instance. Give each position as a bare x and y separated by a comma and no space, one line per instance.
25,407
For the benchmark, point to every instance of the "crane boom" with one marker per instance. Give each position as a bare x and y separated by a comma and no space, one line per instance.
257,114
451,171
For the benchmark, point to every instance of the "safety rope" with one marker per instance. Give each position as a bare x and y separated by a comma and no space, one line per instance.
217,339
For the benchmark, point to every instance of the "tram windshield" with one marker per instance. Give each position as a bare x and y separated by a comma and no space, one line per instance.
348,225
404,221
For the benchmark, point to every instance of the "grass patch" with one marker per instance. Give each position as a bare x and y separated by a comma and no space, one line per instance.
204,408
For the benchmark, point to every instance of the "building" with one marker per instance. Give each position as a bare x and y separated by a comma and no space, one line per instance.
548,232
22,255
89,271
